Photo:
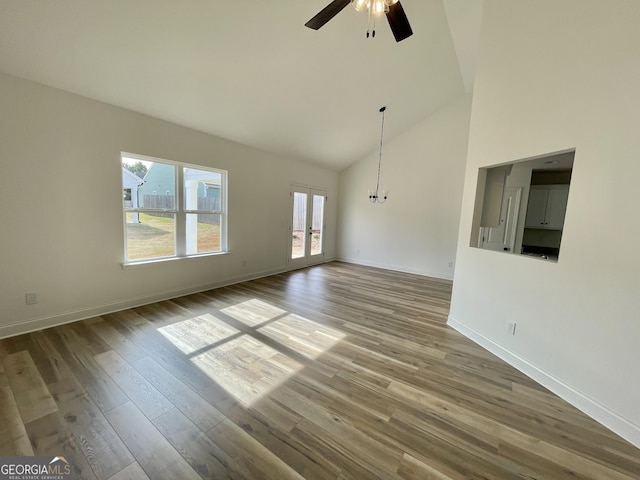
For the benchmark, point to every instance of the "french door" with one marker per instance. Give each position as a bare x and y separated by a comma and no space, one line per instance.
306,239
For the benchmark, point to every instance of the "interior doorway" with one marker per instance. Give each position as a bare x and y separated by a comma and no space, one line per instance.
503,237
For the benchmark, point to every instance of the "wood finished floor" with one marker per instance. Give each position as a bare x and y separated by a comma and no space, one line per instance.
332,372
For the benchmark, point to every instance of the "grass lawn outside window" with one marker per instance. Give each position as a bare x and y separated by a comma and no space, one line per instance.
154,237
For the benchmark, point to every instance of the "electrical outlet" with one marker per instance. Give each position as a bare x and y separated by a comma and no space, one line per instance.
450,264
511,328
31,298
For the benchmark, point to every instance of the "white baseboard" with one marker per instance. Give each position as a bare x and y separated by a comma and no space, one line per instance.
602,414
397,268
82,314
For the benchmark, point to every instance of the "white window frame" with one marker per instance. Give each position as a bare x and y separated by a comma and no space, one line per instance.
180,211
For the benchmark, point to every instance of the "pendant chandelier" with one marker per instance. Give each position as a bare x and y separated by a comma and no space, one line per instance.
374,197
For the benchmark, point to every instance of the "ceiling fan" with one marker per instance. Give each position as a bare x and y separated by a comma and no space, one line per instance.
398,20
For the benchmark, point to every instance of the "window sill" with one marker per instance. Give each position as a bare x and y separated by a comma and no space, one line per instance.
156,261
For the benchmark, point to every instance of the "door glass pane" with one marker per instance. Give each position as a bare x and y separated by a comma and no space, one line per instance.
150,235
299,225
317,223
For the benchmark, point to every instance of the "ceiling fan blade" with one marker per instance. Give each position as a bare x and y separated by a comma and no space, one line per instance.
326,14
399,22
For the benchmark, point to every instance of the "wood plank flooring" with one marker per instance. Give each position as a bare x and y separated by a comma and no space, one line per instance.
334,372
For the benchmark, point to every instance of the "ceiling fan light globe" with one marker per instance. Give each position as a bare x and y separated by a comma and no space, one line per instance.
360,5
379,7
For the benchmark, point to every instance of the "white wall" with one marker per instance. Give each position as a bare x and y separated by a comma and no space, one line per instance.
61,207
553,76
416,229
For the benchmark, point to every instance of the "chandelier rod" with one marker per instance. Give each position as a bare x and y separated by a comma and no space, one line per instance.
373,194
380,150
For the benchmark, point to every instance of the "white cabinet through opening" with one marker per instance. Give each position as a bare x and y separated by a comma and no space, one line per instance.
547,206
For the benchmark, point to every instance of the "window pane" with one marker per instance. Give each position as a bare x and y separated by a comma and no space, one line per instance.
150,235
159,188
132,174
299,225
203,233
202,189
316,225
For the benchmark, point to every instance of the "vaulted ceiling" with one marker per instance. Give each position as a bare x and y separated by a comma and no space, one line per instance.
249,70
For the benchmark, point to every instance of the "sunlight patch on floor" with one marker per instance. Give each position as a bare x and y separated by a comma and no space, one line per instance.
247,368
253,312
305,336
197,333
243,362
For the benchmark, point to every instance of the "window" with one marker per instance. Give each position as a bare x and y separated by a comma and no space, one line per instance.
188,219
